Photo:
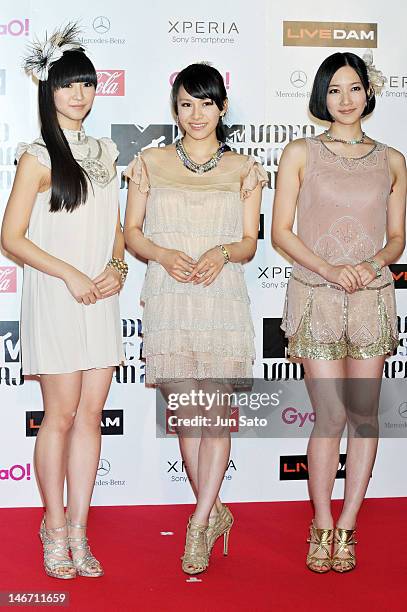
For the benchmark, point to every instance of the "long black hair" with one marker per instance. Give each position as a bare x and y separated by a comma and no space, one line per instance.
68,179
202,81
317,103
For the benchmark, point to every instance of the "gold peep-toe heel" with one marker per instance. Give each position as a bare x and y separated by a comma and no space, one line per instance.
86,565
196,556
219,525
57,562
343,538
322,538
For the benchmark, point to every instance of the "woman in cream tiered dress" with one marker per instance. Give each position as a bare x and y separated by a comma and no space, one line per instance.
193,213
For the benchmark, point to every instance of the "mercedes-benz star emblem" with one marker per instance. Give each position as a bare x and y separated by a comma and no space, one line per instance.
403,410
104,467
101,25
298,78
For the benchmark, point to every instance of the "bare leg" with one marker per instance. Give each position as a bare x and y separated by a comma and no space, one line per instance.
323,446
361,451
84,448
189,443
214,452
61,393
85,442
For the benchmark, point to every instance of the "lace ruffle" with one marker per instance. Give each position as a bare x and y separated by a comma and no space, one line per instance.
253,175
136,171
34,148
111,147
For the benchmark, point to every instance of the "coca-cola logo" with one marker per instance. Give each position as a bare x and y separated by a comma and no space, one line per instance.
8,279
16,472
110,83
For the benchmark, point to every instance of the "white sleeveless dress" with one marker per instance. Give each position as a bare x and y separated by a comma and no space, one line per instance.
59,335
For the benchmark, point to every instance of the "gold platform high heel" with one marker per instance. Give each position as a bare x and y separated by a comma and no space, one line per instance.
219,525
86,564
57,562
342,540
196,556
322,538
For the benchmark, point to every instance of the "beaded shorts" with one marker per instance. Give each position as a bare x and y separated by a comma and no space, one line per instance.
333,324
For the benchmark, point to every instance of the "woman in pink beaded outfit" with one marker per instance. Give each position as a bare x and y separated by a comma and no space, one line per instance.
349,192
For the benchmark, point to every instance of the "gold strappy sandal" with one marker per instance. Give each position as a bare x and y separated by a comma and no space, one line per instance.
342,540
196,556
322,538
219,525
86,565
57,562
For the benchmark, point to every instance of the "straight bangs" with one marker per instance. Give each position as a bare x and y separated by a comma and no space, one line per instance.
73,67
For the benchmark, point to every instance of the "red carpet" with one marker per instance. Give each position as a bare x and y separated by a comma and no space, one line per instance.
265,570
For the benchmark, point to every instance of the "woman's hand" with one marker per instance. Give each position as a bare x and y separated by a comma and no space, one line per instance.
177,263
346,276
366,272
83,289
208,267
109,282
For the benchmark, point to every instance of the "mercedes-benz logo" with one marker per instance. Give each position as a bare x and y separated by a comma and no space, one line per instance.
101,25
403,410
298,78
104,467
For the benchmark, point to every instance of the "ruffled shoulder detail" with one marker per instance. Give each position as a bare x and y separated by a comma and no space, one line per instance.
36,148
136,171
111,147
253,174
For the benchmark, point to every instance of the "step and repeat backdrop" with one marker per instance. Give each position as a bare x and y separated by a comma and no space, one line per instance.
268,52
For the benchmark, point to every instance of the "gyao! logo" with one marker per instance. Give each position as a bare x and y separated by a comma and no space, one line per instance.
8,279
15,27
16,472
110,83
329,34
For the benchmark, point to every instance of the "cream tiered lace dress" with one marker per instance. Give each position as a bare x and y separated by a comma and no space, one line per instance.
191,331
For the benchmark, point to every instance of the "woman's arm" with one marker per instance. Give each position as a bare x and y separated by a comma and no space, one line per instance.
290,171
178,264
32,178
396,212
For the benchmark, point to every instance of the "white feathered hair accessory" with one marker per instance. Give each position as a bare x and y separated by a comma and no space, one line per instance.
376,77
41,55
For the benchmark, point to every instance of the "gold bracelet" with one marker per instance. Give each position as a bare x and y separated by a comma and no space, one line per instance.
120,265
225,253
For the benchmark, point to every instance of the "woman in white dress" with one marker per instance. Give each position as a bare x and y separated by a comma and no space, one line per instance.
62,222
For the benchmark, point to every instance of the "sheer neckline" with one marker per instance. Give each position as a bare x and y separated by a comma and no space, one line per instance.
372,150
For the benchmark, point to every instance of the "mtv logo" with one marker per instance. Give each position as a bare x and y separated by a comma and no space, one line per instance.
2,82
132,139
235,133
274,341
9,342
